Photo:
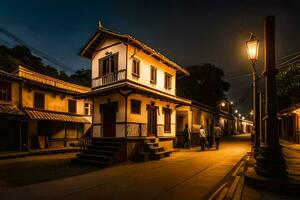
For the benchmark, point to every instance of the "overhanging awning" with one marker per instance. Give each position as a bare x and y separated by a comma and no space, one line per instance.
55,116
11,110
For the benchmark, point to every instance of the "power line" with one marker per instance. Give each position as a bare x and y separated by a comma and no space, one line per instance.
37,51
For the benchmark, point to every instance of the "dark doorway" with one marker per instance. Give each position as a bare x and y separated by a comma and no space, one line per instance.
109,119
152,120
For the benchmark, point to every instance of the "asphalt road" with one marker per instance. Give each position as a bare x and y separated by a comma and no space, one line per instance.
192,174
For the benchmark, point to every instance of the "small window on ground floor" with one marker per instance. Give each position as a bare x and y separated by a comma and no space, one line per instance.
167,114
135,106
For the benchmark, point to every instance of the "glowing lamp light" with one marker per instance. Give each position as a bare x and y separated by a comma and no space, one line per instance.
222,104
231,102
251,113
243,118
240,115
252,48
236,111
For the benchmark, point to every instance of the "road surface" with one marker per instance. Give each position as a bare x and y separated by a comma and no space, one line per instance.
184,175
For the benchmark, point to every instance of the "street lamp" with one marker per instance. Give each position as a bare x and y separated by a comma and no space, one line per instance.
236,111
222,104
252,48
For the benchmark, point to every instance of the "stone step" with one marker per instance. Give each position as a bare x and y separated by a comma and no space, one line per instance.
154,144
104,148
107,143
95,157
162,154
90,162
156,149
99,152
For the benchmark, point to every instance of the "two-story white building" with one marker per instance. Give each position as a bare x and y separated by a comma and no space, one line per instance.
133,91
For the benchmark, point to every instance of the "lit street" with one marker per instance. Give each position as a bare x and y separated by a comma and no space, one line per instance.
184,175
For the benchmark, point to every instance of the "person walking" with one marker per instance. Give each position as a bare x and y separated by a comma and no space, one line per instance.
218,131
186,135
203,140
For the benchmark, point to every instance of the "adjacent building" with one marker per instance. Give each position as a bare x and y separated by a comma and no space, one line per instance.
41,111
289,123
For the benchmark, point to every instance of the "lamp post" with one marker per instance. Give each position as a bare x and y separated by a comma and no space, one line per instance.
252,48
270,161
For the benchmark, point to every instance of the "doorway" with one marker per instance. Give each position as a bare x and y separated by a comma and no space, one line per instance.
109,119
152,120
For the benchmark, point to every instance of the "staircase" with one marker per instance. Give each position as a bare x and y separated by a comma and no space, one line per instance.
102,152
153,151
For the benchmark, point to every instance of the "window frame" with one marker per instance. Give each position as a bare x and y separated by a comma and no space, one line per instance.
5,91
168,81
153,69
110,69
136,74
70,108
86,108
132,111
167,117
35,103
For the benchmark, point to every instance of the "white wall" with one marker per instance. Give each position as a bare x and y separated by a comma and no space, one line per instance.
119,48
145,65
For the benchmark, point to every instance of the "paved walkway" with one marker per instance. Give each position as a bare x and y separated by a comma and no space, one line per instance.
292,156
185,175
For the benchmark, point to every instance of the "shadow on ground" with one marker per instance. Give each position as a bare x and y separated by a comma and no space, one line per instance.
34,171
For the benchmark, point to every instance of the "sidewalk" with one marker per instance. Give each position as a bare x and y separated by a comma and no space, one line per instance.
17,154
292,156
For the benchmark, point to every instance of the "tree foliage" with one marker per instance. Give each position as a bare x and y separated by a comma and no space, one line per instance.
11,58
288,86
205,84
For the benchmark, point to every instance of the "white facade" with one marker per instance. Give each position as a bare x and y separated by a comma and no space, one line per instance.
115,86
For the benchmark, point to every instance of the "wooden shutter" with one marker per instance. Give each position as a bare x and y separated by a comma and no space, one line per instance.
100,65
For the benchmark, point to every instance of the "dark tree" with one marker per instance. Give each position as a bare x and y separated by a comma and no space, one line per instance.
11,58
205,84
288,86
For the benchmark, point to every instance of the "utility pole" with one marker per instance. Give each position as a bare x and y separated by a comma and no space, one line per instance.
270,161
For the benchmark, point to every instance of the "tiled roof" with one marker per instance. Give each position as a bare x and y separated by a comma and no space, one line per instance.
8,109
91,46
55,116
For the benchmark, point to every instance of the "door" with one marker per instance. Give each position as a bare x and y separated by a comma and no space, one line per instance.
109,119
152,121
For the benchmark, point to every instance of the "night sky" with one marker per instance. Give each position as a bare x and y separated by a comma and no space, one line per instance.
188,32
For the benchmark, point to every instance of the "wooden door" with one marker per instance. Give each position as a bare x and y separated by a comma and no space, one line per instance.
152,121
109,119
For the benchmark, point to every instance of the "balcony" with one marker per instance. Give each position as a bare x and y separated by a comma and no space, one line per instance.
109,79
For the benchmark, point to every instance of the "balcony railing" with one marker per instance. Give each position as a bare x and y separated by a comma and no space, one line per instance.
109,78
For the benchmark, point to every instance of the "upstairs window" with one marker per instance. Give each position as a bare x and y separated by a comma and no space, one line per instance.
135,106
167,126
168,81
86,108
72,106
136,67
39,100
5,91
153,75
108,65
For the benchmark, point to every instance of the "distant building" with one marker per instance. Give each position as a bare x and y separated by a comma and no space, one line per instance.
197,114
43,110
133,92
289,123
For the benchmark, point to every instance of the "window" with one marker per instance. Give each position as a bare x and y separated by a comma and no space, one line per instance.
108,65
168,81
72,105
135,106
39,100
167,126
153,75
5,91
86,108
136,67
